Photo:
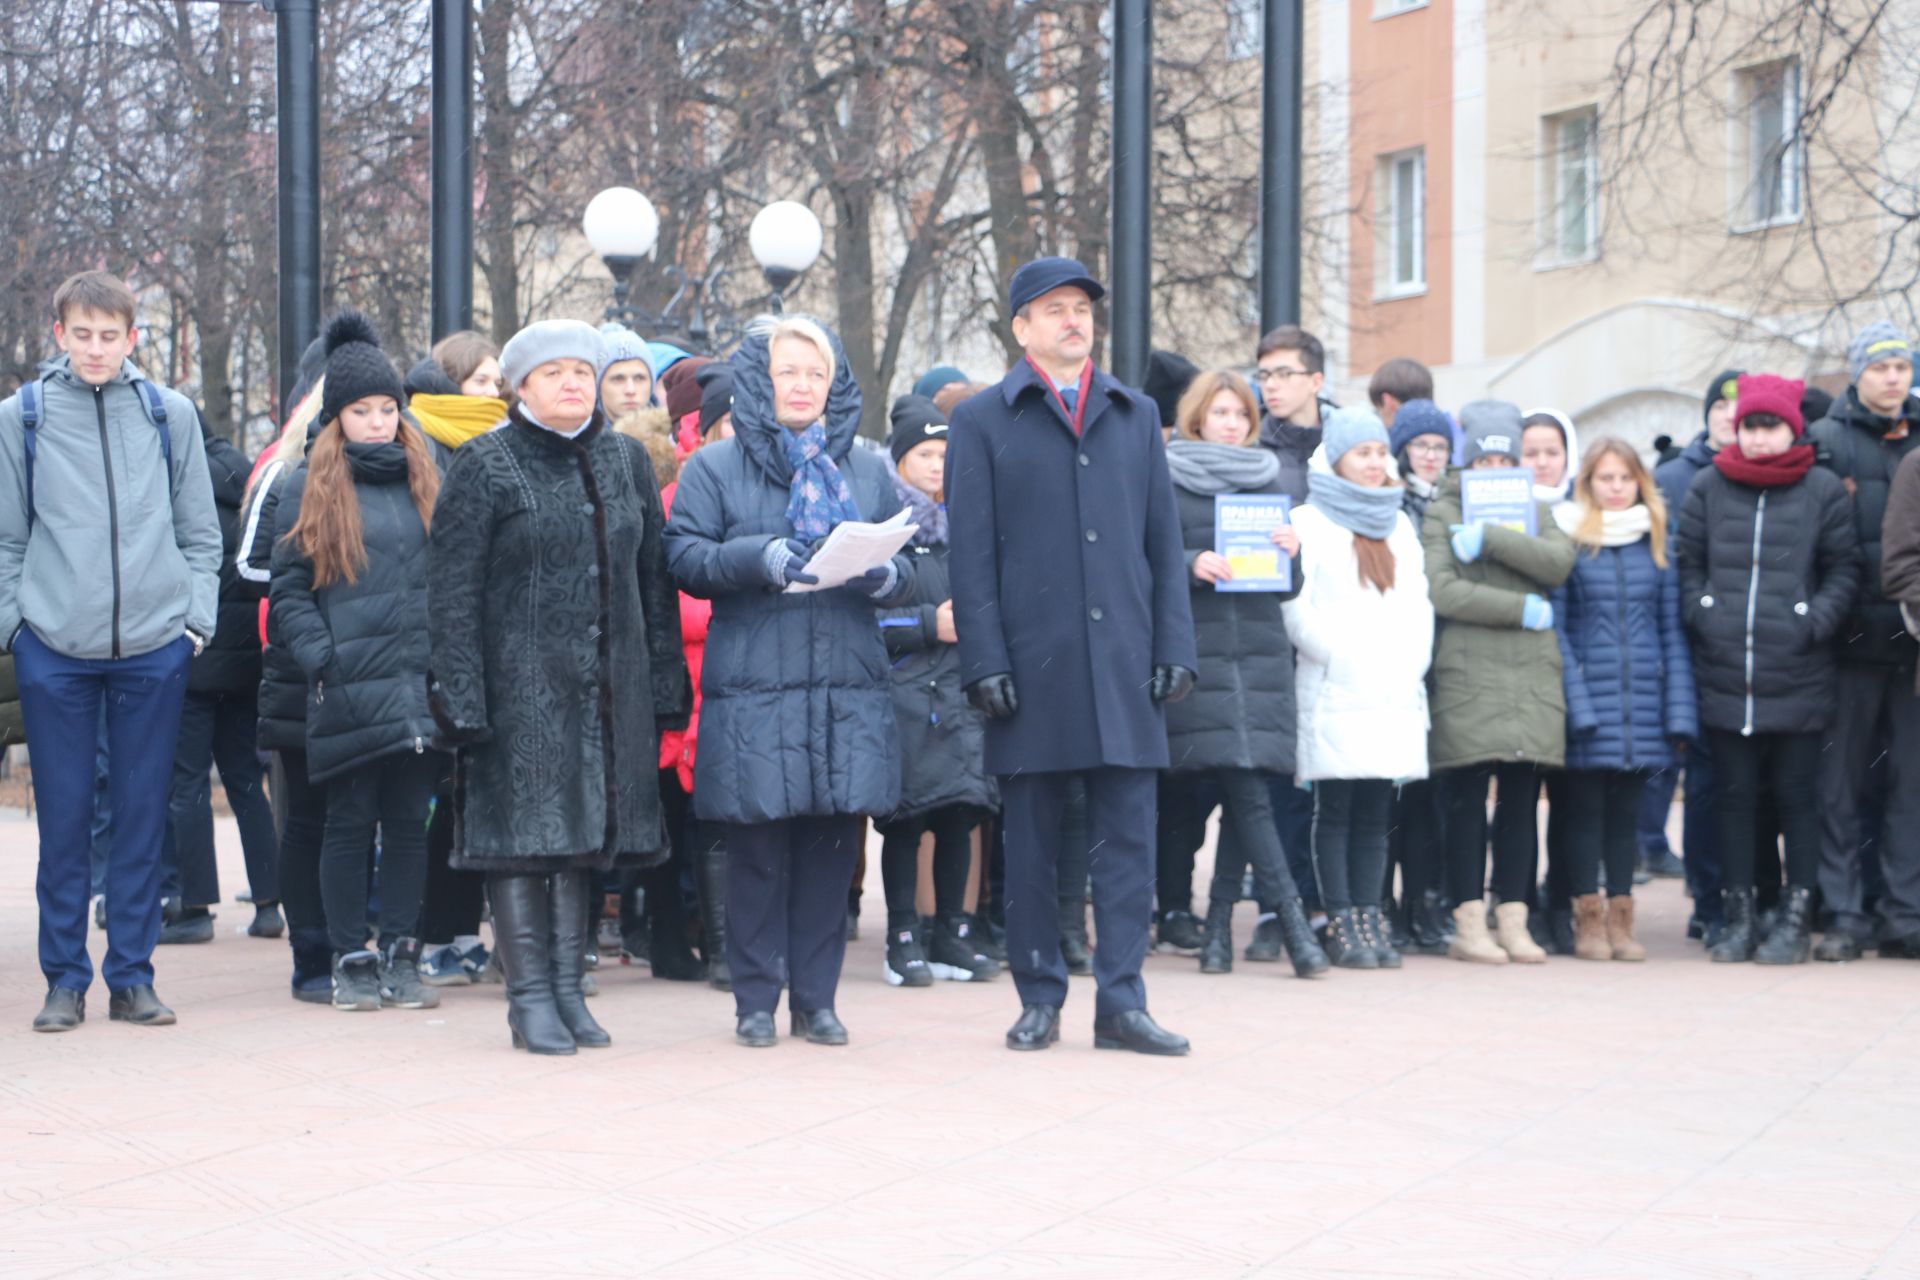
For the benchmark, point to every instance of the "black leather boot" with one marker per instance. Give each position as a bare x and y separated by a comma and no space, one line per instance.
1790,941
711,861
1073,936
1429,923
671,958
1303,949
1347,945
1216,941
1737,938
571,892
522,939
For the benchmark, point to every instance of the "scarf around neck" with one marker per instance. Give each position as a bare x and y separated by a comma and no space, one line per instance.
1199,466
1617,528
818,494
922,510
1368,512
1776,472
454,420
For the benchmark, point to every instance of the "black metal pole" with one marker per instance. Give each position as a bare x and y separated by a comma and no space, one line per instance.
1131,305
297,49
452,130
1280,109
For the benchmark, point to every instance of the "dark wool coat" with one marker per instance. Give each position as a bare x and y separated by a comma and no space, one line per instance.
1781,608
796,709
942,738
283,685
556,648
1068,571
1240,714
1853,442
1628,677
1497,688
362,644
230,663
1900,556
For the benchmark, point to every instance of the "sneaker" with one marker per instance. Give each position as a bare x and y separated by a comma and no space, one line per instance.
193,925
400,985
449,965
905,964
991,939
267,922
356,981
1179,933
954,956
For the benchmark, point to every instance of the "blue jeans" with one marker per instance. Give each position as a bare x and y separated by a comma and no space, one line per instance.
61,700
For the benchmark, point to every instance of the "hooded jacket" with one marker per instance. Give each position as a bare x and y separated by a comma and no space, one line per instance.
122,557
1295,445
1856,444
1676,475
230,664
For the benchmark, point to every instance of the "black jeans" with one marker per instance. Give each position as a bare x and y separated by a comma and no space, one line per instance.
787,885
952,829
1602,824
218,730
1248,833
1414,842
1516,830
392,793
1350,840
1560,883
1878,719
1181,828
1787,767
452,901
302,814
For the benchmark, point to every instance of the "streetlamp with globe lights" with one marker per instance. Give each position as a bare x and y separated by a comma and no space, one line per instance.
785,239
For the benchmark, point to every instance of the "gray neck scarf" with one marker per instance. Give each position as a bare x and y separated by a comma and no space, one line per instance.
1201,467
1371,513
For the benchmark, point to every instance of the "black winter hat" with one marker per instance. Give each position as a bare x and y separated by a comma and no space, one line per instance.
1721,388
716,393
428,379
1168,377
916,420
356,367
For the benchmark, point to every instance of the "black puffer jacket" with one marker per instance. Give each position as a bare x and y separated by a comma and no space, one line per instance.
362,644
1852,441
230,664
1762,625
1240,714
283,685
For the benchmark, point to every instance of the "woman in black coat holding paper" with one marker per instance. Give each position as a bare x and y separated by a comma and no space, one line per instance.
797,730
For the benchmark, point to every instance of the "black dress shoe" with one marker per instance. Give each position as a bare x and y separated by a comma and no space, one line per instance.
64,1010
1136,1030
1038,1027
139,1006
755,1030
819,1026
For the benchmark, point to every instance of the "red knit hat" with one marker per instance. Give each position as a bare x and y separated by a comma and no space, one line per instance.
1767,393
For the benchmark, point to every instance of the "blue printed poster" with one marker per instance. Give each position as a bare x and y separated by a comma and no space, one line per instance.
1502,496
1243,525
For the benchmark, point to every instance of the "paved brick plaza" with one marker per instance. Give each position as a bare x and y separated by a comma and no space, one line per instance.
1574,1120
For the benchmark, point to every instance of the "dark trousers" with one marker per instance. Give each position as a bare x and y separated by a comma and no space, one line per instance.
1415,841
60,699
302,814
217,729
1786,767
452,901
787,885
1180,828
662,887
1560,889
1656,803
1292,810
392,793
1118,840
952,829
1603,813
1516,830
1249,834
1878,711
1350,839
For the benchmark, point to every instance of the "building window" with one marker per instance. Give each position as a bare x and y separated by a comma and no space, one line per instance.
1570,183
1401,219
1774,161
1243,29
1387,8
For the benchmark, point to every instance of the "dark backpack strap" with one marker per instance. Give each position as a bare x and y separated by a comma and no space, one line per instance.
157,415
30,423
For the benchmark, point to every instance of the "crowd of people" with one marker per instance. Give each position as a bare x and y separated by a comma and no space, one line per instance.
537,637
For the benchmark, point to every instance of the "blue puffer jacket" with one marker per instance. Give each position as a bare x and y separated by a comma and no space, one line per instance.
1629,679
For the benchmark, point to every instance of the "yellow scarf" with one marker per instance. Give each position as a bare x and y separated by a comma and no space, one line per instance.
454,420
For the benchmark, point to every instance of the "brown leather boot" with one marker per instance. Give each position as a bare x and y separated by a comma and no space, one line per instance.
1620,929
1590,928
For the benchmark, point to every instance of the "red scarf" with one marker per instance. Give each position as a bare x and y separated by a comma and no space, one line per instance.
1776,472
1078,415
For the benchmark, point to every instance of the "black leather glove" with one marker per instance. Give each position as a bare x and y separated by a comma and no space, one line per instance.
1170,683
993,697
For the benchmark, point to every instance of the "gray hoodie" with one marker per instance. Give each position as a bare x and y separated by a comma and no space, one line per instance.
121,558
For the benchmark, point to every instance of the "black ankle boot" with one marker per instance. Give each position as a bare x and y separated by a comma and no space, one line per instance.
712,864
1216,942
522,939
1737,937
1790,941
572,891
671,957
1347,945
1429,921
1073,937
1303,949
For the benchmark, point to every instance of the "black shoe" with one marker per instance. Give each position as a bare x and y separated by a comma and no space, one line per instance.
1216,944
1265,945
523,944
1037,1027
1560,931
139,1006
711,866
755,1030
193,925
572,892
1696,928
954,955
1790,939
1373,929
1177,932
400,985
991,942
1907,948
356,981
1839,946
1303,949
819,1026
267,921
64,1010
1347,947
905,964
1136,1030
1662,865
1736,935
1427,924
312,981
1073,937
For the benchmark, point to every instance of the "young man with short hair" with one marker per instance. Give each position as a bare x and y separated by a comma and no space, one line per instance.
109,574
1290,377
1397,381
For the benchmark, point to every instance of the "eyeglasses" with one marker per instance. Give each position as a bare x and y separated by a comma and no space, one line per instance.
1437,449
1262,377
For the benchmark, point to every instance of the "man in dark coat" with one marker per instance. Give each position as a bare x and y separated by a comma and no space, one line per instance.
1070,596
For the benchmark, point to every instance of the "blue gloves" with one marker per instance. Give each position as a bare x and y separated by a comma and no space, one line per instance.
1467,541
1537,614
875,583
785,562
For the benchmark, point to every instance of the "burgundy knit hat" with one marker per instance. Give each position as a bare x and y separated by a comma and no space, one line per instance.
1767,393
681,391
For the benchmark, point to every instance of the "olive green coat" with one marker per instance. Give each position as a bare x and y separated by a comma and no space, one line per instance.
1497,691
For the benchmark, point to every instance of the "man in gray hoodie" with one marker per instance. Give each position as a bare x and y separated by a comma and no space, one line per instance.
109,573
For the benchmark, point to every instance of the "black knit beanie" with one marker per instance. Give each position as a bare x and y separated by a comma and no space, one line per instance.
1721,388
356,367
916,420
716,393
1168,377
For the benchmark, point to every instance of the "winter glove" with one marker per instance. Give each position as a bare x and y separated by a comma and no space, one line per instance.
1170,683
1537,614
993,697
1467,541
785,561
876,583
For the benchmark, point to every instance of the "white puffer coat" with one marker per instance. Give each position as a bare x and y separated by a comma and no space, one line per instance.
1360,684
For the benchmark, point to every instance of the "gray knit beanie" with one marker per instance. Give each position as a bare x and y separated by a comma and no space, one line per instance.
1491,426
1878,341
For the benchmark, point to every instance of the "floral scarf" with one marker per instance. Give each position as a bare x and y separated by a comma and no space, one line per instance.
820,498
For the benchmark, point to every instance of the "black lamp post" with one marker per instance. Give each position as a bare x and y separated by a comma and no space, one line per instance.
1131,307
297,94
1280,91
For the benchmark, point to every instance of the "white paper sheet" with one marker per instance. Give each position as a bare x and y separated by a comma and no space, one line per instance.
854,547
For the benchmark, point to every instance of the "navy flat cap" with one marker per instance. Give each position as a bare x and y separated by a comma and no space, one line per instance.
1044,275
